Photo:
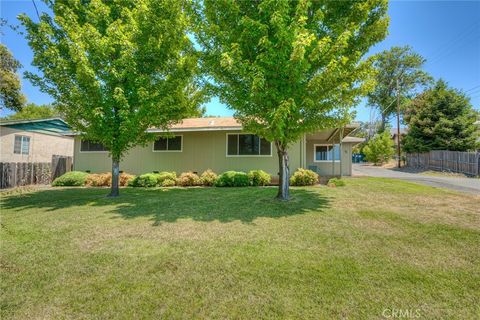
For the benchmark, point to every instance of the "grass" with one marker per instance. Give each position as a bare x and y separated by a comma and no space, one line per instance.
347,252
445,174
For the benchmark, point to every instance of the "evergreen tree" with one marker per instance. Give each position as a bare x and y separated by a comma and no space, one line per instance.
441,118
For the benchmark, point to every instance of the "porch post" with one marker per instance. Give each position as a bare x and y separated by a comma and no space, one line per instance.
304,142
333,158
341,151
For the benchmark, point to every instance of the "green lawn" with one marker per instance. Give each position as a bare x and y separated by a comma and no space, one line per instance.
236,253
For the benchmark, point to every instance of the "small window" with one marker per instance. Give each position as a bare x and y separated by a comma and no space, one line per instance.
168,144
327,152
89,146
248,145
21,145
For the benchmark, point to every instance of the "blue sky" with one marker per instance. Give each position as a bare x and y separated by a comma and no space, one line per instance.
446,33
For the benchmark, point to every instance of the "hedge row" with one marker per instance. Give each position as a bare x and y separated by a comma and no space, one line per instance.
207,178
301,177
79,178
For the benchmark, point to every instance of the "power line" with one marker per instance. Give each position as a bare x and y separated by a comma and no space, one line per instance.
36,9
473,89
444,50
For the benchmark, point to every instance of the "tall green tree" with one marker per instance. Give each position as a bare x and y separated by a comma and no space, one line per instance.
289,67
11,96
441,118
33,111
397,66
116,68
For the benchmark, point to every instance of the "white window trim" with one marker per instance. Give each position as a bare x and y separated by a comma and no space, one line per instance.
315,153
82,151
244,155
21,144
181,145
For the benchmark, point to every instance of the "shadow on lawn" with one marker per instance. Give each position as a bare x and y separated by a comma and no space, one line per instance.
169,205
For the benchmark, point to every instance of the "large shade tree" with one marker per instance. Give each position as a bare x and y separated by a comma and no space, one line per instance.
289,67
11,96
440,118
116,68
398,71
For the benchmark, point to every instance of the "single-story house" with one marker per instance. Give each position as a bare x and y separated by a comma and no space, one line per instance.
35,140
220,144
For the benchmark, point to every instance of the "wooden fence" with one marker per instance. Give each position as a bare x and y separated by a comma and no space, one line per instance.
453,161
15,174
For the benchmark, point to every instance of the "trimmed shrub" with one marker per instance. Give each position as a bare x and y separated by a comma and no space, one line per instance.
146,180
188,179
125,179
105,179
168,183
208,178
99,180
72,178
335,182
232,179
259,178
304,177
165,175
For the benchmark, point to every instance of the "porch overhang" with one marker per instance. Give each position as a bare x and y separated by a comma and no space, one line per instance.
335,134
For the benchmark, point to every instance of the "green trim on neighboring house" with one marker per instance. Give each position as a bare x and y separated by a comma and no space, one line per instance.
54,126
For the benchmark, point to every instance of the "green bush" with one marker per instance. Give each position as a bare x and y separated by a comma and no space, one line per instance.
146,180
259,178
208,178
165,175
72,178
379,149
335,182
188,179
304,177
168,183
232,179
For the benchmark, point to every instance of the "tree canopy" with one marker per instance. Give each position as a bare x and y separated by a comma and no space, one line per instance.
397,63
116,68
33,111
11,96
289,67
441,118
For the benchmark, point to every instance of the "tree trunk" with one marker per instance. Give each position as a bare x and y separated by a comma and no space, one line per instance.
383,123
284,172
114,191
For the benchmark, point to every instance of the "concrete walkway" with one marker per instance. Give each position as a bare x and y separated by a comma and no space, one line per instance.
469,185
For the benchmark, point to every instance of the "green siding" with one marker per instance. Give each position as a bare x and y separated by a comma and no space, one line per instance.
52,127
201,151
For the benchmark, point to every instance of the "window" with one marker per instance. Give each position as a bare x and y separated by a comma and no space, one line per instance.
327,152
21,145
247,145
168,144
90,146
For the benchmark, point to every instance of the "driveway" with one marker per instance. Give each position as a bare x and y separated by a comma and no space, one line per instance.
469,185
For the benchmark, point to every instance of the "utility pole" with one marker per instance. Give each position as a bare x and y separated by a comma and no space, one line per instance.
398,124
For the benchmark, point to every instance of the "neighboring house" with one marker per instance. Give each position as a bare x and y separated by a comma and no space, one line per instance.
34,140
198,144
393,134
